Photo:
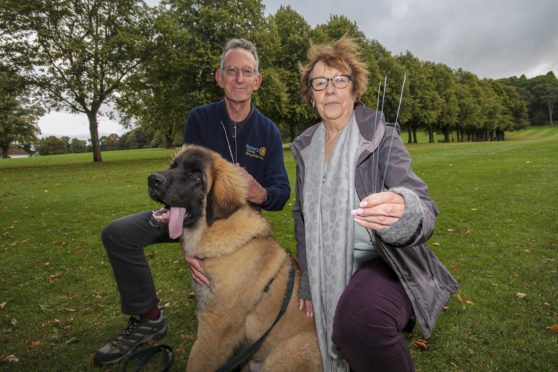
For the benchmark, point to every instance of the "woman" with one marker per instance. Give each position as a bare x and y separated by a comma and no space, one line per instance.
366,270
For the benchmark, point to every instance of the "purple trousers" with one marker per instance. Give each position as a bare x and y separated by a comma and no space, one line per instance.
370,315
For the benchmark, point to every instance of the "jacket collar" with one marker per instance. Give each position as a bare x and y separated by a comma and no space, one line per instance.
371,125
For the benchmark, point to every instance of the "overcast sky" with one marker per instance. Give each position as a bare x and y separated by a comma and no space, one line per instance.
490,38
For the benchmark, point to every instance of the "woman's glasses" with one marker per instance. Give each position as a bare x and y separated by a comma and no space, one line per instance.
338,81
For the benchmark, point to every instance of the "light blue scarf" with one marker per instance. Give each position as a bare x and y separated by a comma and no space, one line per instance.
329,196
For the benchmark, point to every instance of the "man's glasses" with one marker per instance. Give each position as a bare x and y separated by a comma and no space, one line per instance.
232,70
338,81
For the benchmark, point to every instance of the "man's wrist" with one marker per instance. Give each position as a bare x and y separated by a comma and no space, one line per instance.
265,199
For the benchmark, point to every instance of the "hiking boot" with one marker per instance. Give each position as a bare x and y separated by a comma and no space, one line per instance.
138,332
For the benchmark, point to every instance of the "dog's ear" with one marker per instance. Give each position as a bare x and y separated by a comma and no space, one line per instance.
228,190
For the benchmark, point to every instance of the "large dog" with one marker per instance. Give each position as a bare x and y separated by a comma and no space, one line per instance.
205,203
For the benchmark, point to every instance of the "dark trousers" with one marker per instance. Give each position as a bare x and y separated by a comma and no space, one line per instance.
370,315
124,240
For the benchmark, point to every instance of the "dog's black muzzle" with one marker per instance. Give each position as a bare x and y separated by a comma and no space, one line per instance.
157,184
157,180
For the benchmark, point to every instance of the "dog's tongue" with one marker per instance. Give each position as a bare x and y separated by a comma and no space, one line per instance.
176,221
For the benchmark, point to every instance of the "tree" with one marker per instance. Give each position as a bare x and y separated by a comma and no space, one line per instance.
136,139
110,142
280,91
190,35
52,146
78,146
18,114
78,52
547,90
540,95
469,107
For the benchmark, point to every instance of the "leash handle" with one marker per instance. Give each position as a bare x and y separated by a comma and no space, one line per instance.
147,353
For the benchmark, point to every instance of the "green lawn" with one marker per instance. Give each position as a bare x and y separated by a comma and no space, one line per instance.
497,233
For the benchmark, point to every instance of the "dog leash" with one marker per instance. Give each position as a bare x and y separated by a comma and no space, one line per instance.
235,362
147,353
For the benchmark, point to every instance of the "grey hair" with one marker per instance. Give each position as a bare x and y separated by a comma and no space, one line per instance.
240,43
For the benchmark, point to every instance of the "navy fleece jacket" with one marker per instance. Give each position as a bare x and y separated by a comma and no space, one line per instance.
258,147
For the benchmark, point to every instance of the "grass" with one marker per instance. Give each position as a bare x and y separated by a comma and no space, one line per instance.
497,233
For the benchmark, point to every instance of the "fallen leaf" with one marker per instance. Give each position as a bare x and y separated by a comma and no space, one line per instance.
150,254
553,328
489,276
3,305
436,244
469,302
520,295
68,310
455,268
55,275
35,344
423,344
459,298
10,358
450,230
56,321
72,340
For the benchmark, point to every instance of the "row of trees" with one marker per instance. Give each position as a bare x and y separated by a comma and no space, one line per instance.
134,139
153,65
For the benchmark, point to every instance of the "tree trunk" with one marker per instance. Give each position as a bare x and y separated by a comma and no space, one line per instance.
292,131
446,134
169,142
414,135
409,130
5,150
550,109
94,131
430,134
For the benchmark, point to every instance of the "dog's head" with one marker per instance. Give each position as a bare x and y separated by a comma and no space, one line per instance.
198,184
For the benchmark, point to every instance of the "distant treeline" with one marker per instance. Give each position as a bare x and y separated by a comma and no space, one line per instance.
155,64
134,139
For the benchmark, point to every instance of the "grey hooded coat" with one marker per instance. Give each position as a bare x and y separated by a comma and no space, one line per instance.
427,282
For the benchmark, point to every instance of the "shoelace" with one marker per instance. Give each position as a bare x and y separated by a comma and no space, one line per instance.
132,324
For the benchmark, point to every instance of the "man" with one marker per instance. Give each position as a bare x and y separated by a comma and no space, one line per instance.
235,129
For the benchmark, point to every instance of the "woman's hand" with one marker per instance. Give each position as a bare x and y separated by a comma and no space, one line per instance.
306,305
380,210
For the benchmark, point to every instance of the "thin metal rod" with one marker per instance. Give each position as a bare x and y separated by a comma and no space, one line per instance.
375,154
394,130
376,166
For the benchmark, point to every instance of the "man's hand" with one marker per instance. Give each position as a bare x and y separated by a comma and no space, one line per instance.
194,264
380,210
256,193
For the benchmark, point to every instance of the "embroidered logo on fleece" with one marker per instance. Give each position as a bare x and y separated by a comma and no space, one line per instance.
256,152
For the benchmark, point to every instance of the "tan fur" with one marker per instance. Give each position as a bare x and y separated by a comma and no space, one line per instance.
241,258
